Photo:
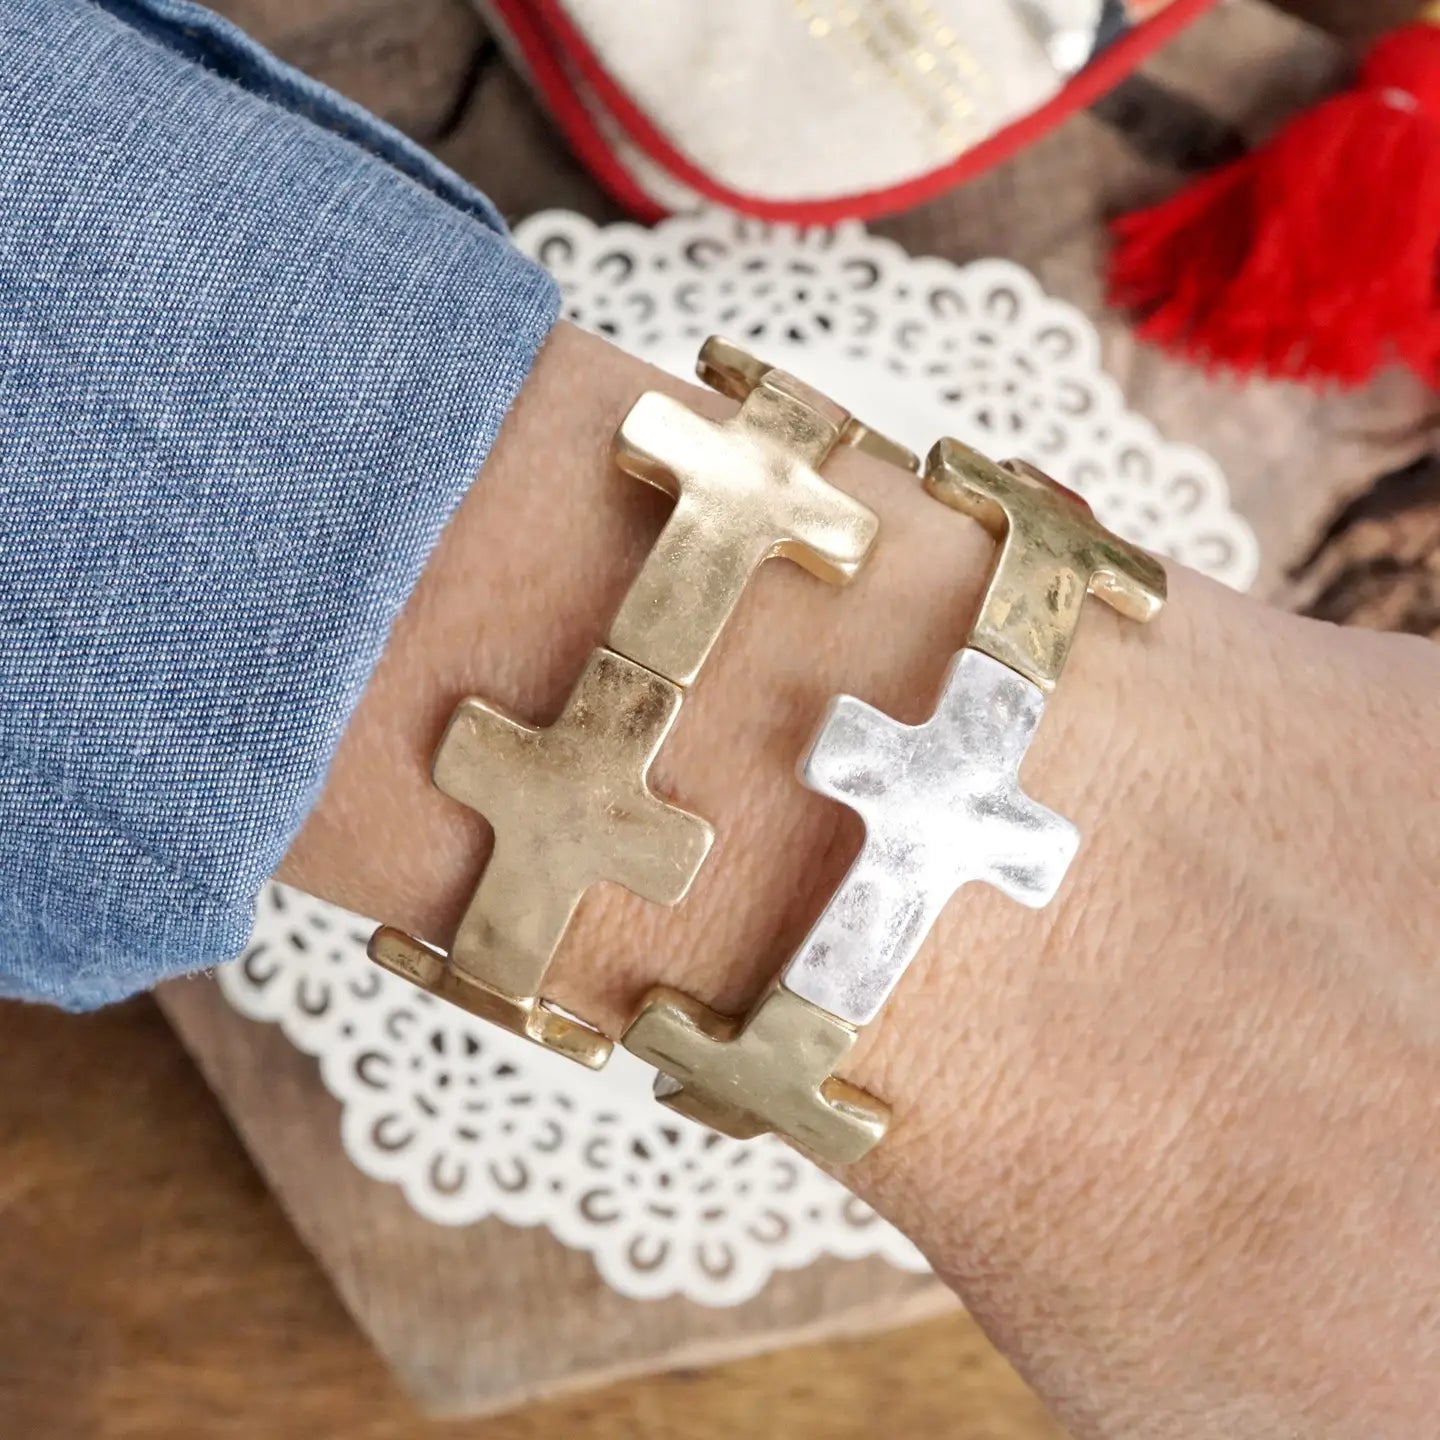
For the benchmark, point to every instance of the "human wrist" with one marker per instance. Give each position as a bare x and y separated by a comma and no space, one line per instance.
523,586
1037,1061
519,591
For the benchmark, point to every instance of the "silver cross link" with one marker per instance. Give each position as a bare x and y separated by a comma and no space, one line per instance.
942,806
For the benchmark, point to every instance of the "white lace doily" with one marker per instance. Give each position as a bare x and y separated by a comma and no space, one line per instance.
474,1123
917,347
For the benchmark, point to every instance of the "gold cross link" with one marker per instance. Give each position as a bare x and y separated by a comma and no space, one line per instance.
570,806
772,1071
1052,552
746,490
727,367
530,1016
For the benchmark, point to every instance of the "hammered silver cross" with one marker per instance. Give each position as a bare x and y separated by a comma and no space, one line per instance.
942,806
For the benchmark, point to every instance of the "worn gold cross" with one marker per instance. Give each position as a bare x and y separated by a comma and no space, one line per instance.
571,806
772,1070
530,1015
746,489
1052,552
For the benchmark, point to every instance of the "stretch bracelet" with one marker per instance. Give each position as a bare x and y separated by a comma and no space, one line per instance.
571,804
941,802
941,805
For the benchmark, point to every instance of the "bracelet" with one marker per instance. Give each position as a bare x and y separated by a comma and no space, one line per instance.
942,806
571,804
941,803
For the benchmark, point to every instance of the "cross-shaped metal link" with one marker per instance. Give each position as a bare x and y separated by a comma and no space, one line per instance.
942,806
530,1016
1052,552
734,371
570,806
773,1070
746,489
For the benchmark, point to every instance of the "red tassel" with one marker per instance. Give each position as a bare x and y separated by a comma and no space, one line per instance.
1316,256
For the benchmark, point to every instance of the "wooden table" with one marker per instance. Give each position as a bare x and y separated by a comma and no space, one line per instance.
151,1286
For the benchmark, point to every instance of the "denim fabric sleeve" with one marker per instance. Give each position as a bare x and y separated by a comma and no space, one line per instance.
253,349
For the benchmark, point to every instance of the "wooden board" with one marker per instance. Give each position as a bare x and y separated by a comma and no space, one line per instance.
151,1288
484,1317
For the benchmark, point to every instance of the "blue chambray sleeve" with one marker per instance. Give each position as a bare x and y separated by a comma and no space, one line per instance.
254,346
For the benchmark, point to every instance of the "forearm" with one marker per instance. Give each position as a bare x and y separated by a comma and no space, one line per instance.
1110,1113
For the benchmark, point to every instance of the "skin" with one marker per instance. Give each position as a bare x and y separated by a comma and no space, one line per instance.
1174,1139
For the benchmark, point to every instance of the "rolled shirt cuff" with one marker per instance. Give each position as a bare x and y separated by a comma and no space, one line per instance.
254,348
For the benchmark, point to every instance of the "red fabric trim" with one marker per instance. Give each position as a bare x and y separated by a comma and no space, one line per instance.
569,112
549,28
